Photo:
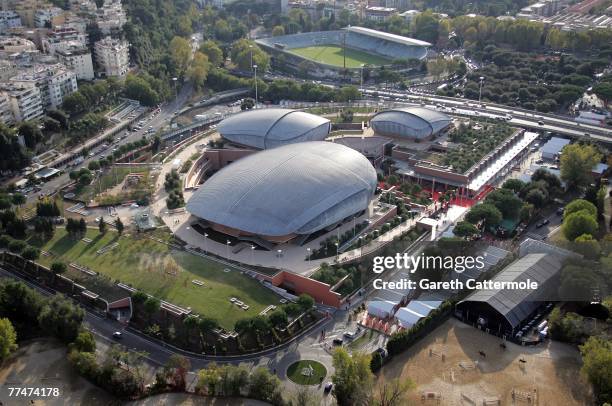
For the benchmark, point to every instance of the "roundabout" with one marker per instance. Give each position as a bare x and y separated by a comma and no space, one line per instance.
306,372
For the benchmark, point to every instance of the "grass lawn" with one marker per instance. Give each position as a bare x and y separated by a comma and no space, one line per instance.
333,55
294,372
165,273
108,179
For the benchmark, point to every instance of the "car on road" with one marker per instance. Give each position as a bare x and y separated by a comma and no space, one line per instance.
337,341
328,387
117,335
540,122
542,223
381,351
350,334
560,211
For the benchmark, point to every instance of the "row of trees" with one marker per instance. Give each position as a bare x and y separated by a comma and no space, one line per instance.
173,186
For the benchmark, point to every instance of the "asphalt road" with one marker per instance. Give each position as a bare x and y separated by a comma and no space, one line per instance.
157,122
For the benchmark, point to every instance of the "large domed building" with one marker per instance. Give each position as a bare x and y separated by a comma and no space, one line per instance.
410,123
271,128
286,192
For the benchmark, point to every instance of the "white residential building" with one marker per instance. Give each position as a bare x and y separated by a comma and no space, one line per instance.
8,69
24,101
111,17
44,16
14,45
9,19
54,82
6,115
112,57
78,60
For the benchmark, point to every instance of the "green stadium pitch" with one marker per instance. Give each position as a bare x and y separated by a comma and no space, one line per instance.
333,55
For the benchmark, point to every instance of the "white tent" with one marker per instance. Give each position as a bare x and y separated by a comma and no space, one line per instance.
381,308
414,311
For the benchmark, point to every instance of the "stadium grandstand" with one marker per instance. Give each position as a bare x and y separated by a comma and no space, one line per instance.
410,123
286,194
347,48
270,128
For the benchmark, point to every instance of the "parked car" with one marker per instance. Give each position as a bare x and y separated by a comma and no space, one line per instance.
338,341
328,387
349,334
381,351
542,223
560,211
117,335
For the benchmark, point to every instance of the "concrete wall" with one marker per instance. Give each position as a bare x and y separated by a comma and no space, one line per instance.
320,292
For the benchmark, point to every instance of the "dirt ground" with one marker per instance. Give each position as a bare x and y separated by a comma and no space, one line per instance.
550,375
43,363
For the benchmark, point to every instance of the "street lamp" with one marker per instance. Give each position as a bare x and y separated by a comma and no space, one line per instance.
361,80
251,52
480,89
360,246
308,249
205,237
174,80
255,69
252,255
337,252
227,245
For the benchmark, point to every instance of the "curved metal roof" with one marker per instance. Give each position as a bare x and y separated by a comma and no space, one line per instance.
292,189
516,305
389,37
266,128
419,118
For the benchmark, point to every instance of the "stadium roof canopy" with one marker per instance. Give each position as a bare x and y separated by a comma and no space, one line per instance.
389,37
410,121
270,128
289,190
516,305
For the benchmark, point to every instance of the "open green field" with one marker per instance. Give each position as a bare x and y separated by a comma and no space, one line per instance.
163,272
333,55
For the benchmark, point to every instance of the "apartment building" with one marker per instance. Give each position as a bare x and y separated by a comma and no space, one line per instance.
111,17
6,115
9,19
379,14
15,45
112,57
24,101
77,59
53,81
44,16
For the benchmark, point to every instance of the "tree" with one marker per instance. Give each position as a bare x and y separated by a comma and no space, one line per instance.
577,162
119,226
213,52
392,393
102,226
603,90
264,386
241,53
198,70
465,229
31,253
58,268
247,104
579,223
596,361
151,306
484,212
526,212
353,378
17,246
60,317
177,368
18,199
536,197
8,338
180,54
514,184
577,205
306,302
93,165
278,318
586,245
137,88
506,202
376,362
85,342
278,30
